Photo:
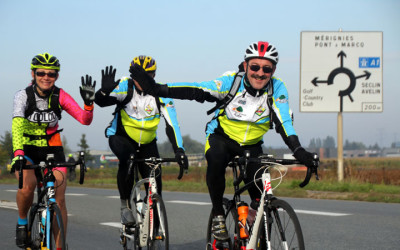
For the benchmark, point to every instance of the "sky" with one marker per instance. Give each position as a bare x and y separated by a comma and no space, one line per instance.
191,41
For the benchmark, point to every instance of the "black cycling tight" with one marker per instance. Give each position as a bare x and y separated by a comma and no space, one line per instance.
221,151
123,147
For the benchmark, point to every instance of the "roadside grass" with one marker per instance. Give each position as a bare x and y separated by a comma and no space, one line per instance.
373,180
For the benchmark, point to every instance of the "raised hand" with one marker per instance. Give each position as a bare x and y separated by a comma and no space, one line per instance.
146,82
87,90
108,82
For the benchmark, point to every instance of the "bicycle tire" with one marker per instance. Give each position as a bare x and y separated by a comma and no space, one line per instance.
231,225
162,227
281,214
34,227
128,243
56,219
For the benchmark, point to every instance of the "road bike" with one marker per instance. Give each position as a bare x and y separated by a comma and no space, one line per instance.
150,230
272,223
44,216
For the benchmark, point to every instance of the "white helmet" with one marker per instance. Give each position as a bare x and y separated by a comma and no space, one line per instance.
262,50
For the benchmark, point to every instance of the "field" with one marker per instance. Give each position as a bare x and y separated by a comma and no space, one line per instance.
366,179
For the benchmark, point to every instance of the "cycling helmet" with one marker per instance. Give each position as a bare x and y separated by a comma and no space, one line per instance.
147,63
262,50
70,155
45,61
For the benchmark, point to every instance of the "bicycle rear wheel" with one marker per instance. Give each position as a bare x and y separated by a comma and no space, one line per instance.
57,228
231,225
283,228
160,237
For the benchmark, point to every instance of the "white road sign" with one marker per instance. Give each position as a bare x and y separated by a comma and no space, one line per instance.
341,72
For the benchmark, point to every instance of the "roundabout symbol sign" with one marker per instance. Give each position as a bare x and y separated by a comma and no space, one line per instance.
358,77
346,71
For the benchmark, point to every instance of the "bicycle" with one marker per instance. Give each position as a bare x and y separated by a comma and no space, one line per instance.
151,225
44,216
275,224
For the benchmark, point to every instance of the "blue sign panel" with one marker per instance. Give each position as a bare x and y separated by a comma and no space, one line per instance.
369,62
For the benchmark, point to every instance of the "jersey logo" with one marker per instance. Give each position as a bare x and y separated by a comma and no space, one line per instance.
218,83
260,111
43,117
170,105
282,99
149,109
238,111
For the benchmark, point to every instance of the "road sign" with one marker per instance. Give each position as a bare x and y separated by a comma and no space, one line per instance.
341,72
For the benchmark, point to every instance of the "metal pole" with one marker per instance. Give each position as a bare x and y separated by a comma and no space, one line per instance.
340,146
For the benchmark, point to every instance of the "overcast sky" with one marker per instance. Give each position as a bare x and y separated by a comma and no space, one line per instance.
192,41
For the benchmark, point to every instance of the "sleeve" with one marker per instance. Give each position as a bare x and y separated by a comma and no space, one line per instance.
172,129
210,91
84,116
18,122
17,130
283,115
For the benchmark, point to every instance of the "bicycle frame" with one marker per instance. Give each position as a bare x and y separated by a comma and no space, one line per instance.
266,196
146,224
46,197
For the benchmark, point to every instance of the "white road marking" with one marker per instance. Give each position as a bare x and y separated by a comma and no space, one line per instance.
11,190
191,202
113,197
9,204
111,224
74,194
319,213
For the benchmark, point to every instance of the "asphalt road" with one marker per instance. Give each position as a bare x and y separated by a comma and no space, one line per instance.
327,224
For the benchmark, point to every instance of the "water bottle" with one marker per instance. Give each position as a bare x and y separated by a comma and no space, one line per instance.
243,211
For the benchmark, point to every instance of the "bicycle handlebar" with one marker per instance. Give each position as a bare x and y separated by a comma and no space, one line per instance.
153,160
266,159
50,163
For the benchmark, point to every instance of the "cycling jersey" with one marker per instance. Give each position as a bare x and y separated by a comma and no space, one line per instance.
246,118
40,129
140,117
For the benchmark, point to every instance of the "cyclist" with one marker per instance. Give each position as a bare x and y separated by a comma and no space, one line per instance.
240,124
35,133
72,173
133,130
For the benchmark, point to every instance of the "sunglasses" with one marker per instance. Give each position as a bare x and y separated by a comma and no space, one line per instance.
265,69
51,74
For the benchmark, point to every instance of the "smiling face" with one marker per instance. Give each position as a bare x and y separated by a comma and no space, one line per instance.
45,80
259,72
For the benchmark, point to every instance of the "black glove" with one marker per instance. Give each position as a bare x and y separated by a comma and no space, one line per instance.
17,162
87,90
108,82
182,159
310,160
146,82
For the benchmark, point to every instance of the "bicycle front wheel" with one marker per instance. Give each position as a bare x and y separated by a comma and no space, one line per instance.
57,235
284,231
35,227
160,237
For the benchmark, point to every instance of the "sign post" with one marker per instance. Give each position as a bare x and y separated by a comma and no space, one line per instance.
341,72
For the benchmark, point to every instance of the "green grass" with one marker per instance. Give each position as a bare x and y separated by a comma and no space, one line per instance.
375,182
